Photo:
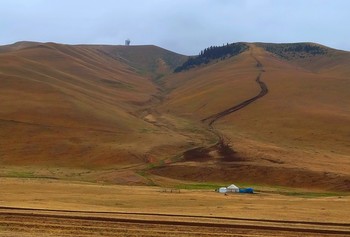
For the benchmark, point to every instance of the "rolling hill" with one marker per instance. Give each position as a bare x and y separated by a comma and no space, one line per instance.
121,110
64,105
301,126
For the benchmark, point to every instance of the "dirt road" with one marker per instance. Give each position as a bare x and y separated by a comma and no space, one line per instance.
264,90
41,222
223,145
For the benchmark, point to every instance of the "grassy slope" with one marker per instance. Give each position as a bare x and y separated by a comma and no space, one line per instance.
147,59
200,92
83,106
304,111
73,106
298,131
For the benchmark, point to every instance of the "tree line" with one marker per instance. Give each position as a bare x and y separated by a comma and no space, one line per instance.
294,49
212,53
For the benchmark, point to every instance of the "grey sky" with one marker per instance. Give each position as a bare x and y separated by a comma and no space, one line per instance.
184,26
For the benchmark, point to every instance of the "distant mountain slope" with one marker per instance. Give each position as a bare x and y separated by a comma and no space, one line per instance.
145,58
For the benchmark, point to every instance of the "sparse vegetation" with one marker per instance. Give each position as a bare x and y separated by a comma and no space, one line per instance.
198,186
296,50
156,164
212,53
314,194
21,174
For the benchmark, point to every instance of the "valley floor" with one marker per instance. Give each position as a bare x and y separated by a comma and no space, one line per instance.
41,207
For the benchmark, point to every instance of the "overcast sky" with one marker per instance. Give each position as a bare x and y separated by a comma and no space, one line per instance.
183,26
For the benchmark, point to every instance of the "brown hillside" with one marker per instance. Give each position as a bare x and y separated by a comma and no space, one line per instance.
281,114
73,106
314,57
147,59
301,125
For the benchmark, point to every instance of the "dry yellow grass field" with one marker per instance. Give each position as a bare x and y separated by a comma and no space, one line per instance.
87,209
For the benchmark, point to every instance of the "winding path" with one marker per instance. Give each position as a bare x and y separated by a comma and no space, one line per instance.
264,90
223,143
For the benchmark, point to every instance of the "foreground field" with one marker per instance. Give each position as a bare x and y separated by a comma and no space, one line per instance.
113,224
39,207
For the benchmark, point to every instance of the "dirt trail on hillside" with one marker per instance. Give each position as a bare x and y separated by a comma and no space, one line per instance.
219,161
223,145
264,90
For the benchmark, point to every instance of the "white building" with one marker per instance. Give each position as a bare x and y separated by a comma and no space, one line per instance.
230,189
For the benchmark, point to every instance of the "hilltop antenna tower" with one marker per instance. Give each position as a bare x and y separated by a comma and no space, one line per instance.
127,42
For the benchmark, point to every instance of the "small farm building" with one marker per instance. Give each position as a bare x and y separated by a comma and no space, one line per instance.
234,189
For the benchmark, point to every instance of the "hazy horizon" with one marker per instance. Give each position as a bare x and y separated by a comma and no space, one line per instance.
184,27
